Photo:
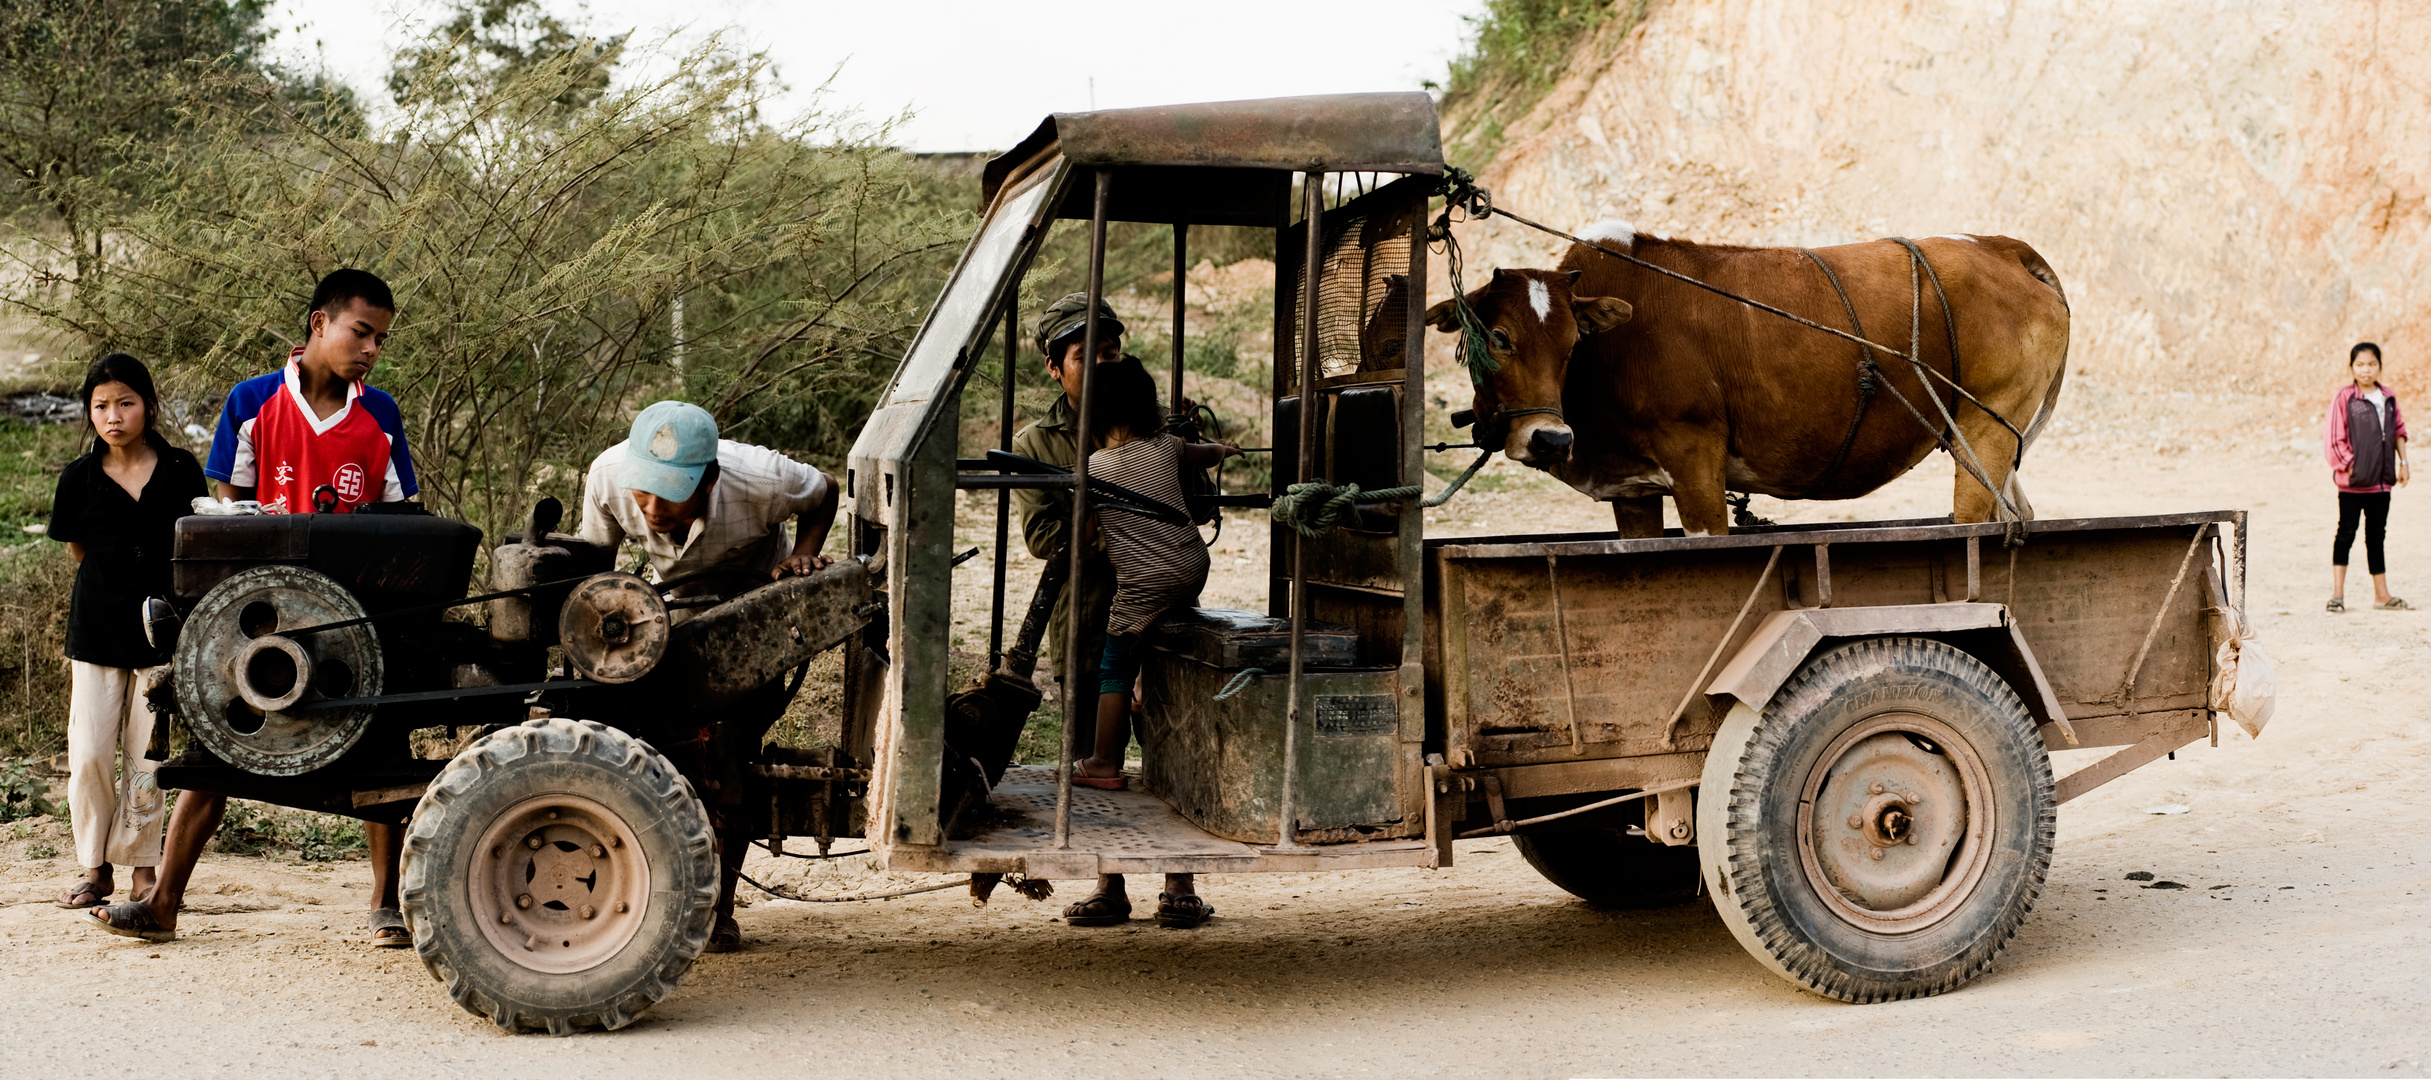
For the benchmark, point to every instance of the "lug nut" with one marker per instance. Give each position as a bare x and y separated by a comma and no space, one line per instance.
505,919
525,901
552,815
598,852
497,851
616,841
1873,789
1856,821
588,913
1877,854
532,842
620,907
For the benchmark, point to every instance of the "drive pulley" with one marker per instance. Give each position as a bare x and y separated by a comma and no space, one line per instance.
258,668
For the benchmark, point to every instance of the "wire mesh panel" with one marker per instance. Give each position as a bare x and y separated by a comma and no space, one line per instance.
1362,283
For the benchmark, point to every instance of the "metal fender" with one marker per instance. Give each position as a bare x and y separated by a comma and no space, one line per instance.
1783,641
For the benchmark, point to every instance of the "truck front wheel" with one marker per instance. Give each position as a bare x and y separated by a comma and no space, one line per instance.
1880,830
559,875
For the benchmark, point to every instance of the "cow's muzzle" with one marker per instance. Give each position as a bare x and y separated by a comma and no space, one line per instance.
1537,437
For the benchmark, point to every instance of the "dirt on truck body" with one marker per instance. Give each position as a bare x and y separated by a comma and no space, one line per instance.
1839,734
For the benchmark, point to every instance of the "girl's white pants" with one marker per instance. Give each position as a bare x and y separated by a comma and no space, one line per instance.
114,801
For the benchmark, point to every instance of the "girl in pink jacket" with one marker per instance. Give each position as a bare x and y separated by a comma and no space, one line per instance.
2364,436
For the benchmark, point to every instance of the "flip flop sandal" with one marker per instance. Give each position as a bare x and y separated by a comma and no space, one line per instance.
81,896
1116,782
2395,604
1184,912
725,937
2336,606
1097,909
388,929
130,919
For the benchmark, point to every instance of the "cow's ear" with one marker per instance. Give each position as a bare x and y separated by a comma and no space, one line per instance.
1574,276
1499,274
1442,317
1597,314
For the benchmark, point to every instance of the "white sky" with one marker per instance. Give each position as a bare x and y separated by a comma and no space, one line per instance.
976,75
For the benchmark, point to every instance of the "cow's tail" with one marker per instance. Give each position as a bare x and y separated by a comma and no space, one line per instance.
2042,271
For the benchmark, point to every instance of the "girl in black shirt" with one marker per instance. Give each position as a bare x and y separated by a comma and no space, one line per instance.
117,509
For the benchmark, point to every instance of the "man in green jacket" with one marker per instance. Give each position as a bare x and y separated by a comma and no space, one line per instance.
1046,516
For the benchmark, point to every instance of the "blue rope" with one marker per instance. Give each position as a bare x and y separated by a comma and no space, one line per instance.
1239,683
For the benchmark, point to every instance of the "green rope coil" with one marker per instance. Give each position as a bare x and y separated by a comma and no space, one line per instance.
1312,508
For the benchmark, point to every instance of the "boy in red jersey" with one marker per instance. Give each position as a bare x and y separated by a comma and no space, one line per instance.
311,437
314,431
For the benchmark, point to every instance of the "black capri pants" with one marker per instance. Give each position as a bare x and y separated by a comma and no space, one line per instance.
2373,508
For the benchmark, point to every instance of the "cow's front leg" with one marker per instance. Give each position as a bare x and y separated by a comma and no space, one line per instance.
1696,489
1639,518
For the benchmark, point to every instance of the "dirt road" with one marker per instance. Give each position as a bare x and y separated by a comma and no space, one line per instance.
2298,944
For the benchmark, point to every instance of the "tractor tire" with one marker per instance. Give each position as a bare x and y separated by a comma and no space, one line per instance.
1611,869
1881,829
559,875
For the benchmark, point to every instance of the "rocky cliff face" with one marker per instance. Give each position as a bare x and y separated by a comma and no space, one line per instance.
2232,192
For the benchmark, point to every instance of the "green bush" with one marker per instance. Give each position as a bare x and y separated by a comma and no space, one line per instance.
1517,51
24,791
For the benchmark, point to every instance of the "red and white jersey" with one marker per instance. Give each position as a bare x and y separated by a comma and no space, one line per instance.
289,453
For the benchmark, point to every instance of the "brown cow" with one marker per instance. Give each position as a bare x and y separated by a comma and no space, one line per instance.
1629,385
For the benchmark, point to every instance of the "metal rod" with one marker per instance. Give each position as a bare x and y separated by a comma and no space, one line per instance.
1181,272
1010,481
1501,827
1311,262
1279,477
1004,496
1080,703
1413,471
451,694
2135,668
1561,635
1715,657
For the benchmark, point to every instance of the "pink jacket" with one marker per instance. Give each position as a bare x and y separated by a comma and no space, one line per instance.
2334,442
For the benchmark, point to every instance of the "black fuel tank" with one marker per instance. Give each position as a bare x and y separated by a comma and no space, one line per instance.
387,560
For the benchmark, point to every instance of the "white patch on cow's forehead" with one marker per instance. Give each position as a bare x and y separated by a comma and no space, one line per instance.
1610,229
1540,298
1951,236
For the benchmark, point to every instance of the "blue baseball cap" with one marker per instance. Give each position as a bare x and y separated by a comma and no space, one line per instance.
671,444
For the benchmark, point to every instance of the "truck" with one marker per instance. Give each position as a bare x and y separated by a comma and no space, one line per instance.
1838,735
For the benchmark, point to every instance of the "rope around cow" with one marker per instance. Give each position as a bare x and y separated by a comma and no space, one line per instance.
1476,203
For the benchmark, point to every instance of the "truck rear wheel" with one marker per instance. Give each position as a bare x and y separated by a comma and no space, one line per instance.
1611,869
1882,828
559,875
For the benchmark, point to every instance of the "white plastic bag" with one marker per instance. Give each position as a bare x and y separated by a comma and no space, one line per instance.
210,507
2245,688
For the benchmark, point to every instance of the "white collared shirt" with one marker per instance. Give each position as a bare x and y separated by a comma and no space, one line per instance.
743,528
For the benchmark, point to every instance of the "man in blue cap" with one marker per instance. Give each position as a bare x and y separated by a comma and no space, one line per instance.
701,505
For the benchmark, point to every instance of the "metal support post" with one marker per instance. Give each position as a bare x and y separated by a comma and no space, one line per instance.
1311,268
1080,703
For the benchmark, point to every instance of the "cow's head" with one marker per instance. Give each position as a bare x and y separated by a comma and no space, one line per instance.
1531,322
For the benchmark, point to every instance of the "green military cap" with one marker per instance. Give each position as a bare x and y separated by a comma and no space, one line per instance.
1064,319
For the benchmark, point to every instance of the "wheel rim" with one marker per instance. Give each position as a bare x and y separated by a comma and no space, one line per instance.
1895,823
559,884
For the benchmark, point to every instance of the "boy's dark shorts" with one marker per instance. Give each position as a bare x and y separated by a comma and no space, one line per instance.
1119,667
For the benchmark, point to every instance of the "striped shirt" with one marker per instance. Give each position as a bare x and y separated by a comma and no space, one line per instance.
1158,565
